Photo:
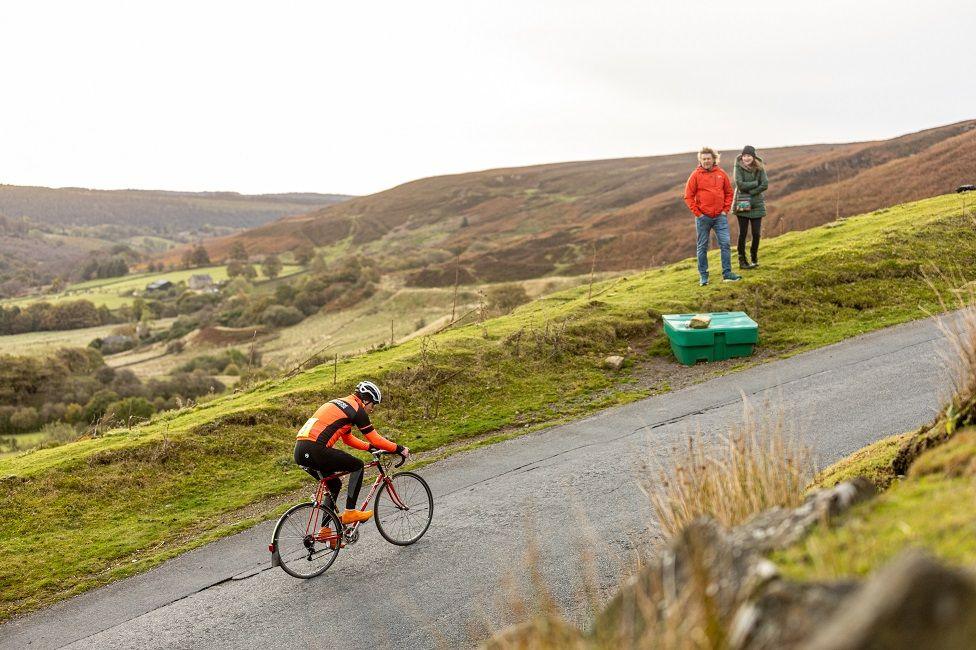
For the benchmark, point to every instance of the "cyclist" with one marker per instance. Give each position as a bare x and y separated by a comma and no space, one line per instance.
333,421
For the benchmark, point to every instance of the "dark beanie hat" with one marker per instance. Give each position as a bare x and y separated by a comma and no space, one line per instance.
748,150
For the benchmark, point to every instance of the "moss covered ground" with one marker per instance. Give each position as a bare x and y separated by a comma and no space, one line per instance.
89,512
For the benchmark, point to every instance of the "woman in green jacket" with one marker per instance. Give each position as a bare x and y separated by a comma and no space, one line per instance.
748,204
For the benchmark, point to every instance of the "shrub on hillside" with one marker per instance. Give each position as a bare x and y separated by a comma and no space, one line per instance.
175,346
113,344
127,384
52,411
105,374
503,298
309,301
216,364
99,402
191,302
188,385
303,253
284,294
74,413
271,266
280,316
24,419
57,433
129,411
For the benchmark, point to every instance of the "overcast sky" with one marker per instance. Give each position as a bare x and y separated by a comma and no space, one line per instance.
355,97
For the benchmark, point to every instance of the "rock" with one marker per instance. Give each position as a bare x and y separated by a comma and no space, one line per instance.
701,574
700,321
913,602
786,613
707,576
779,527
614,362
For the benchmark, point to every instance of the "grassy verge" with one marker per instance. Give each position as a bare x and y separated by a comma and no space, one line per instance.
103,508
932,508
874,462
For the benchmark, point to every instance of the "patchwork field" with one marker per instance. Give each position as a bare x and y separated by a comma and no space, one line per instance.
115,292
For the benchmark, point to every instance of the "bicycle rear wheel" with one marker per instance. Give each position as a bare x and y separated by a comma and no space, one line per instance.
301,551
404,508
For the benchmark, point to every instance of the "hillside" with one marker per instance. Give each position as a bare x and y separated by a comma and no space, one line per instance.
46,232
154,210
628,213
480,382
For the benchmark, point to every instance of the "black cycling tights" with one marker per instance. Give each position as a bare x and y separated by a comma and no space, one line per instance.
319,461
756,225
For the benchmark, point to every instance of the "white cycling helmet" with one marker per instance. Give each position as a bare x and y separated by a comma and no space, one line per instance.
369,390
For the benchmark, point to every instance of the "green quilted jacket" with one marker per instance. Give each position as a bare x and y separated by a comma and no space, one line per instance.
752,183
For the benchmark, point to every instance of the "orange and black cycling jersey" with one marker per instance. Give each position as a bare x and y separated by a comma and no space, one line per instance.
334,420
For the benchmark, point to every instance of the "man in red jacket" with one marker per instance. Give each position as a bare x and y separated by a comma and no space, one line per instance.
708,194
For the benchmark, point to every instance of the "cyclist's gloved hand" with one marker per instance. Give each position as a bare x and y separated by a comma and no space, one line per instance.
403,451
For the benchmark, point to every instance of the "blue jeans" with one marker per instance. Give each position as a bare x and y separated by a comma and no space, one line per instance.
703,225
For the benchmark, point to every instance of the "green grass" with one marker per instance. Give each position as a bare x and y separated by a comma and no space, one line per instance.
115,292
932,509
873,462
97,505
23,441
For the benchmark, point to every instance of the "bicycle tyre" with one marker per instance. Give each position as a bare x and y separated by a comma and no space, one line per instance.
399,528
292,549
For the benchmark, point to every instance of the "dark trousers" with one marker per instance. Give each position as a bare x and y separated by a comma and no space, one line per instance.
319,461
744,224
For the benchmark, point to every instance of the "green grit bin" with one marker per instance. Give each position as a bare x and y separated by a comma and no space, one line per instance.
730,334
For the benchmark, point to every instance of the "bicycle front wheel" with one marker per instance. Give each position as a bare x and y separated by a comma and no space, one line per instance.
302,551
404,508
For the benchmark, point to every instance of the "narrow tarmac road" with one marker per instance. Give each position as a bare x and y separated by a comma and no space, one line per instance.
560,491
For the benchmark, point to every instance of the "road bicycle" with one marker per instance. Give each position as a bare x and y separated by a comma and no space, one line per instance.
309,536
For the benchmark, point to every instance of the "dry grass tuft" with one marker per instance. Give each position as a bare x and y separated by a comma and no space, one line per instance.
757,465
959,330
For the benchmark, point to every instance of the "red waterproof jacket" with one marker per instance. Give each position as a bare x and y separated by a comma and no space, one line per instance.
708,192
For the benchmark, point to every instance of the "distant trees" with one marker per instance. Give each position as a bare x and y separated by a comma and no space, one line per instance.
75,386
235,268
239,264
14,227
238,252
271,266
304,253
197,256
45,317
111,267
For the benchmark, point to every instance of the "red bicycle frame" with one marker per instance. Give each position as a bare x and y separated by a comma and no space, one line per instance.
381,477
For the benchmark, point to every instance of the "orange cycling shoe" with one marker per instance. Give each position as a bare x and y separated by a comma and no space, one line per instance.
328,536
355,516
